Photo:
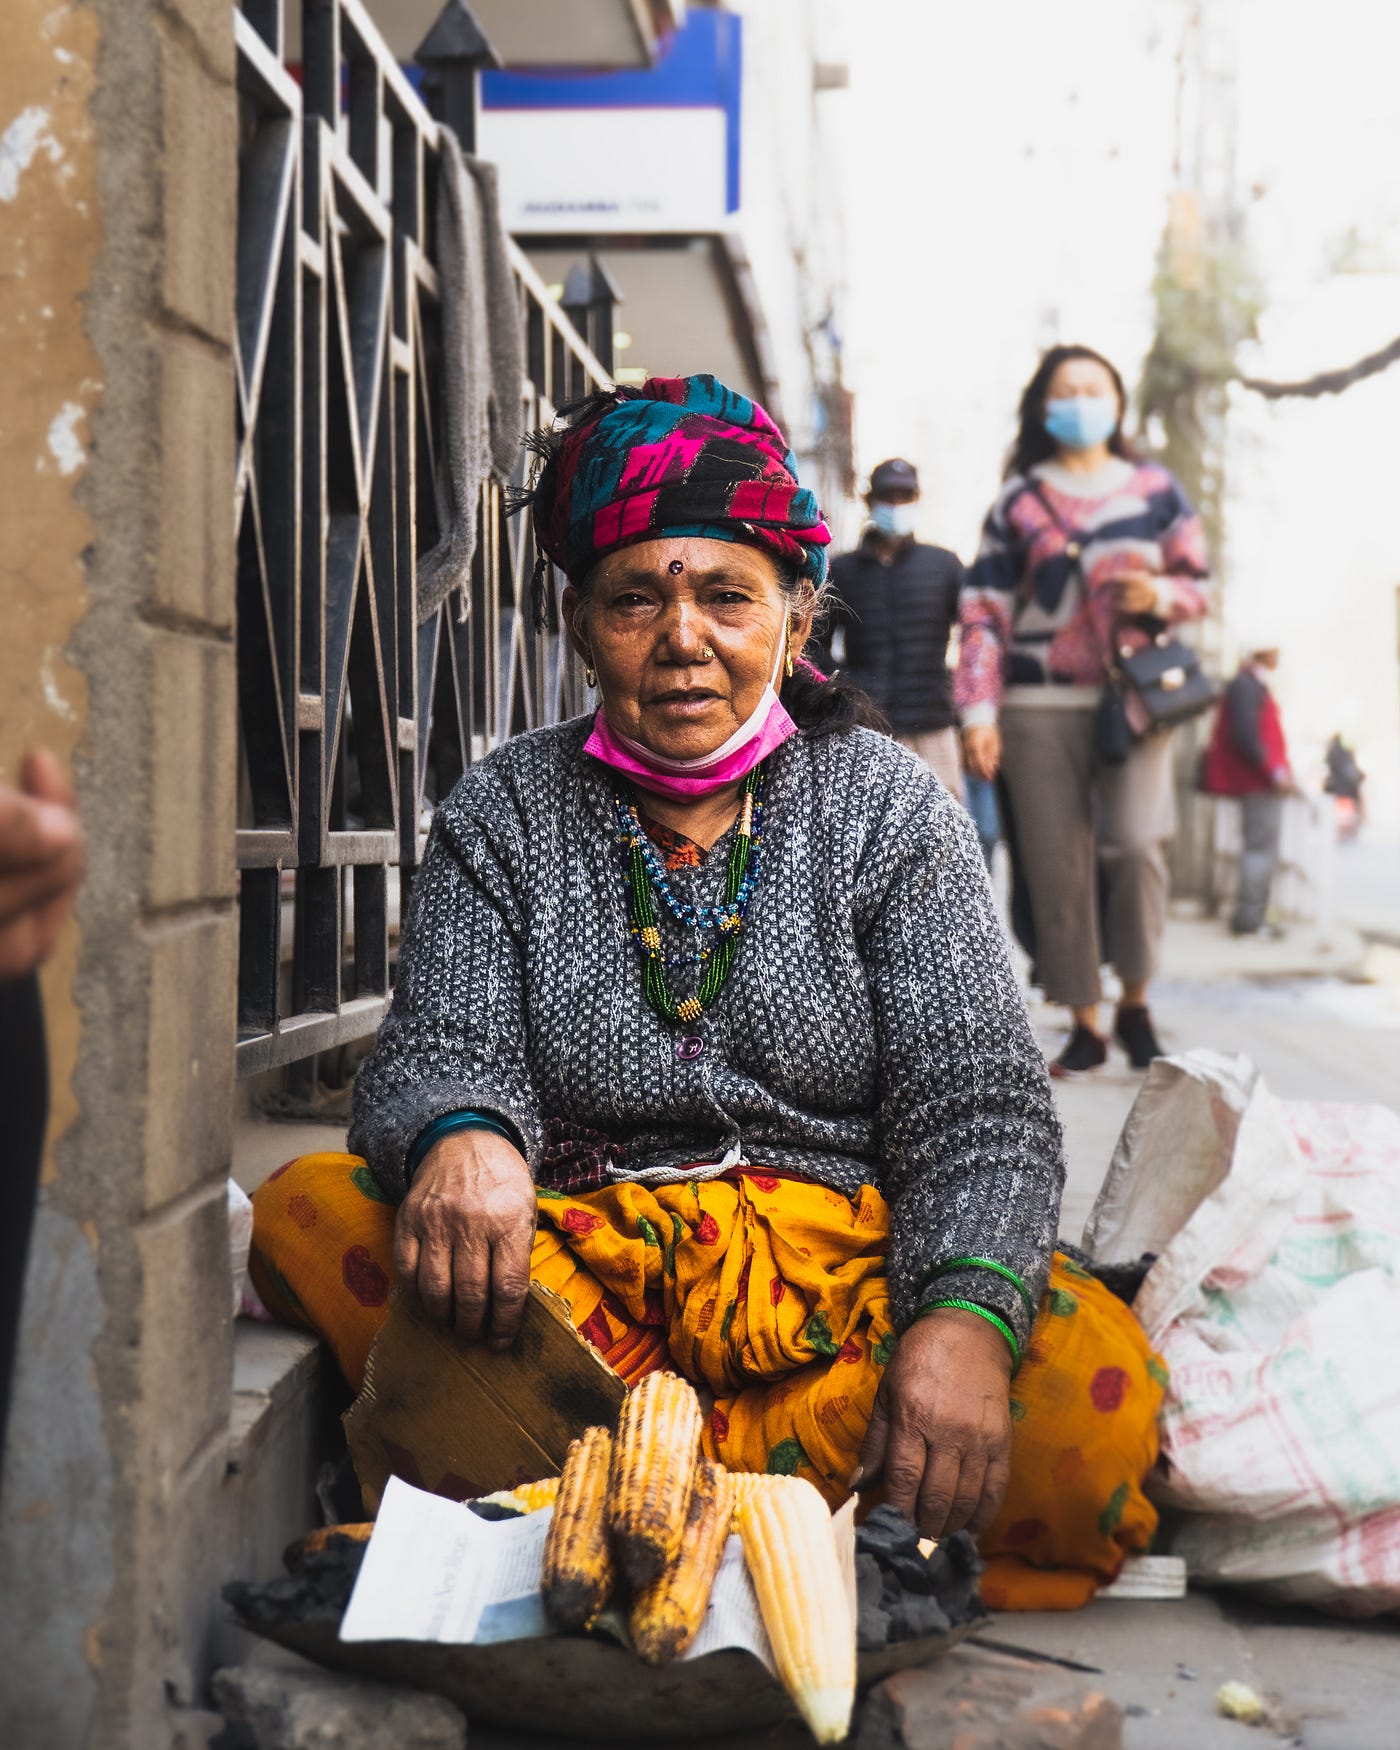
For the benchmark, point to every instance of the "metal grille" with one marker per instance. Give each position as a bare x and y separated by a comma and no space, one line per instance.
353,719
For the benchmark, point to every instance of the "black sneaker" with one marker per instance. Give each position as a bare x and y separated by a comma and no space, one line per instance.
1085,1050
1133,1031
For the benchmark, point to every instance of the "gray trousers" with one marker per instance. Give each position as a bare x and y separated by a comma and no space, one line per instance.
1072,816
1261,827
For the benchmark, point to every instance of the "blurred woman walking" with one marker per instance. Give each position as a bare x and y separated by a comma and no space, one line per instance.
1087,553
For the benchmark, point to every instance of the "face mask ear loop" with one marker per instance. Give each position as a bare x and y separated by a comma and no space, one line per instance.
779,653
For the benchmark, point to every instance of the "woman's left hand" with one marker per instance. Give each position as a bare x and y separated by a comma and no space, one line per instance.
940,1433
1136,592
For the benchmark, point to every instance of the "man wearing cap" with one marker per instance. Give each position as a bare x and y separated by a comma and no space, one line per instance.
895,601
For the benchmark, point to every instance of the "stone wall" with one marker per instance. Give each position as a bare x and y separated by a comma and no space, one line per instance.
118,153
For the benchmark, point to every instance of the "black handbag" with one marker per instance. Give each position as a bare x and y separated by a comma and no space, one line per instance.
1164,678
1168,679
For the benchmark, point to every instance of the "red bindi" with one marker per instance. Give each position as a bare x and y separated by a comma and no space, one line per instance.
676,567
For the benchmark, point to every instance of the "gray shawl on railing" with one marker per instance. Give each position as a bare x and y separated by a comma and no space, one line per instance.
483,366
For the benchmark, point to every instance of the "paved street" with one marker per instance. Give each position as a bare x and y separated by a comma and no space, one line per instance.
1321,1018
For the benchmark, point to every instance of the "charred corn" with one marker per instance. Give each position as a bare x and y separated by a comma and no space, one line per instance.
804,1602
525,1497
578,1573
666,1615
653,1470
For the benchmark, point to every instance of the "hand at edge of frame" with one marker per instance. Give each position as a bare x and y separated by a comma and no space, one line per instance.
464,1233
940,1433
41,863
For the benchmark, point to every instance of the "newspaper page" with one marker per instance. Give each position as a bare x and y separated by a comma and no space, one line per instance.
434,1571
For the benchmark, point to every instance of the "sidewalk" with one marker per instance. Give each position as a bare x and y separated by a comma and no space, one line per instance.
1366,881
1321,1018
1319,1014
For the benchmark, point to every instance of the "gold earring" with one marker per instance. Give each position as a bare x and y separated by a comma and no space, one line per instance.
789,662
590,674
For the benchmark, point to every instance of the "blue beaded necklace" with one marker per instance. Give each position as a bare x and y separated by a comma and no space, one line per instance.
646,875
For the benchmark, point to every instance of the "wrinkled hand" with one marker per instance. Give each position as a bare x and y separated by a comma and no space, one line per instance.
41,863
1136,592
941,1429
463,1237
982,750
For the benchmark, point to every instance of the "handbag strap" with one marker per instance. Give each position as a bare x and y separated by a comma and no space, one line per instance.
1074,550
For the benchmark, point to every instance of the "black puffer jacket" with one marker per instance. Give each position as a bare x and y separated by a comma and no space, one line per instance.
895,619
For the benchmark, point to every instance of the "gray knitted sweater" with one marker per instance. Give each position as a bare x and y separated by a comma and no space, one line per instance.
870,1032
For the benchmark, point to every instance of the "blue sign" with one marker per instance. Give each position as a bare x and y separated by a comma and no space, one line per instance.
701,67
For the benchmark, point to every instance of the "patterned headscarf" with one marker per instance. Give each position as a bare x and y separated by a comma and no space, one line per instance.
678,456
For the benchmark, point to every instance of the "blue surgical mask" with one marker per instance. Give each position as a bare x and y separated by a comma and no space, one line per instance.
893,519
1081,421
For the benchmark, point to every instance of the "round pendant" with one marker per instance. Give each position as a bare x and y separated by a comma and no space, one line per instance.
688,1047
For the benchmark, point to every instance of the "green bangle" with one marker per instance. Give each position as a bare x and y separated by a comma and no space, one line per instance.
989,1264
982,1313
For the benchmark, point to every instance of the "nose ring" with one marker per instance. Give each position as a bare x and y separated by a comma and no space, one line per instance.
707,655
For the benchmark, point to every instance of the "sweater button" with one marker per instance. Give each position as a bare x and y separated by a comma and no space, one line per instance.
688,1047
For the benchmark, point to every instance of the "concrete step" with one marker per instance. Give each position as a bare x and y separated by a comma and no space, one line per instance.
284,1424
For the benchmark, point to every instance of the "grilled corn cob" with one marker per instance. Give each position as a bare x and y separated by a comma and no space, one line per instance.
525,1497
804,1602
747,1484
578,1573
666,1615
653,1470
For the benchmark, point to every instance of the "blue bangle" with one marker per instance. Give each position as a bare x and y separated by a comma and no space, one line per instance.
448,1125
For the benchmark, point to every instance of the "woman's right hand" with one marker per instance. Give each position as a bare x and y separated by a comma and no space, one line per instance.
982,750
464,1233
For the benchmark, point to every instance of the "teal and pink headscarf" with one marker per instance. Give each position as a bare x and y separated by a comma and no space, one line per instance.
677,456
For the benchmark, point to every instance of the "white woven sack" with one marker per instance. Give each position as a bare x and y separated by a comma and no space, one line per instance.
1275,1303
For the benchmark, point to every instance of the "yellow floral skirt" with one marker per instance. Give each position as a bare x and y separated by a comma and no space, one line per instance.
771,1292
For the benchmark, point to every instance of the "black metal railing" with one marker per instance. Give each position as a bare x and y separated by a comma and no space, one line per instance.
353,718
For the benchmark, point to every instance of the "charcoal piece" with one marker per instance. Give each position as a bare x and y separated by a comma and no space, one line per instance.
494,1511
887,1531
869,1580
958,1568
912,1617
317,1592
872,1628
914,1572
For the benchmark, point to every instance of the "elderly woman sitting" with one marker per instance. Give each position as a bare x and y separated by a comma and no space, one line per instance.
704,1017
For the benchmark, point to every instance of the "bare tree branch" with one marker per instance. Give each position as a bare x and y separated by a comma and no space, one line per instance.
1327,382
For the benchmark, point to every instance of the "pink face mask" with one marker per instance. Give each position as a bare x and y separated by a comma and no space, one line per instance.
767,727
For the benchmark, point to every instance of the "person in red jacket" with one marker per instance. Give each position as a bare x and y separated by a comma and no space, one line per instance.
1248,759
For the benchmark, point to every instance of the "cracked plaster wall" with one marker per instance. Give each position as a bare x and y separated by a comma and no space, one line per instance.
117,222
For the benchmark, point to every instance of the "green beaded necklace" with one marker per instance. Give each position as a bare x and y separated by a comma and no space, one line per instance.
648,932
